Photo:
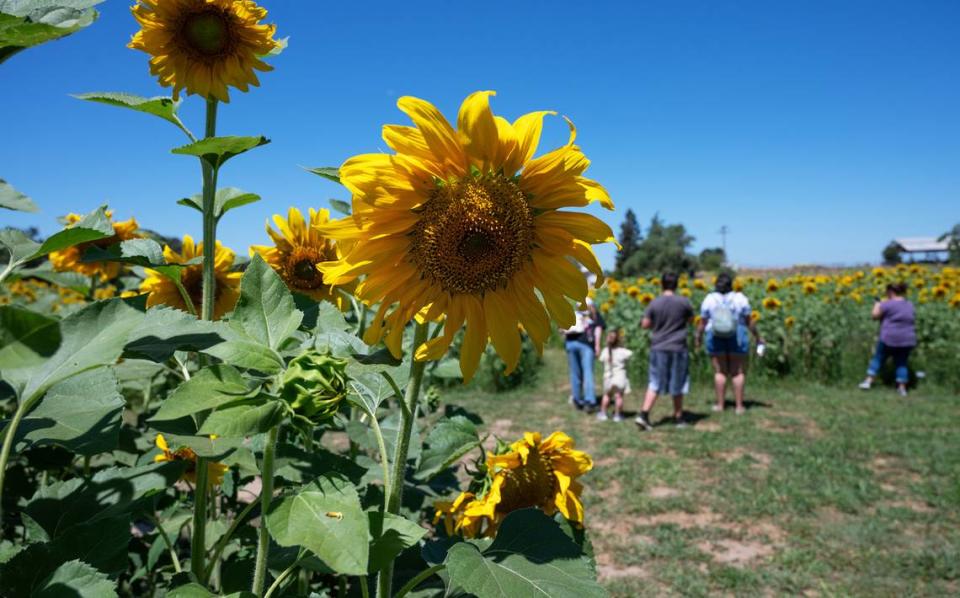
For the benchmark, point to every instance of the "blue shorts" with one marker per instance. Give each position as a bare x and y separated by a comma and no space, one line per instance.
738,344
669,372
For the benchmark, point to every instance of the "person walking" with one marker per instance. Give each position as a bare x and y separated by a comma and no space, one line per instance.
582,342
614,358
667,317
725,318
898,336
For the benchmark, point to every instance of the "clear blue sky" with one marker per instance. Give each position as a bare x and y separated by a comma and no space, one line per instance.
816,131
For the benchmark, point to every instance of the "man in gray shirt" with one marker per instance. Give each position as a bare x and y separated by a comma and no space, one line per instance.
667,317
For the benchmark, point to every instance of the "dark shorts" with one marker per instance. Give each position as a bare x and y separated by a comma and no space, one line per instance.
669,372
738,344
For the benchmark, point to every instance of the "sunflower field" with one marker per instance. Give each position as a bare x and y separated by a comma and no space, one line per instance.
817,326
186,419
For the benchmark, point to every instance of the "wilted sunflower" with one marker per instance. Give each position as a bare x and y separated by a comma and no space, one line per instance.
466,223
203,46
298,249
215,471
532,473
162,291
69,259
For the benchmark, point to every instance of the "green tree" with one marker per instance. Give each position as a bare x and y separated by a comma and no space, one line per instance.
630,238
891,254
952,237
712,259
664,248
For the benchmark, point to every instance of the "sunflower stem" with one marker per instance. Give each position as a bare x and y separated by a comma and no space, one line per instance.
266,495
209,219
198,547
408,416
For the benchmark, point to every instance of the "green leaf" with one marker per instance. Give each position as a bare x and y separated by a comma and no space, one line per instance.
162,106
215,151
326,518
77,580
26,337
531,556
448,369
299,466
208,389
81,414
71,280
448,441
245,418
204,446
331,173
18,245
12,199
389,536
341,206
27,23
95,225
165,330
195,590
380,357
265,310
319,315
92,337
240,350
225,200
368,390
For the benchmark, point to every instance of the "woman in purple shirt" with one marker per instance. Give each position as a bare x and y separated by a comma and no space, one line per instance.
898,336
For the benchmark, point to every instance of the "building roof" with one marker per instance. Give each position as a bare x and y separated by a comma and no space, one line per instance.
921,244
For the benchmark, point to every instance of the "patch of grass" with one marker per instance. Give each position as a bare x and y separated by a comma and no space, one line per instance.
815,489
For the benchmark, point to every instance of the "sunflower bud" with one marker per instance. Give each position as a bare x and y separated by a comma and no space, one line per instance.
315,384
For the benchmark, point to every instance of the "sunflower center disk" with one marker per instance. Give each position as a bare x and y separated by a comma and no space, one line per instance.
530,485
207,33
473,235
300,270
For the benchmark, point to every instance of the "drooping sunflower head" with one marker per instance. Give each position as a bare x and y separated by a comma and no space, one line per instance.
531,473
297,252
204,46
69,259
215,471
466,223
162,291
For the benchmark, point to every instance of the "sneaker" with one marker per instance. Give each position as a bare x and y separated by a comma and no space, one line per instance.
681,423
741,410
716,408
602,416
643,423
617,418
865,385
902,391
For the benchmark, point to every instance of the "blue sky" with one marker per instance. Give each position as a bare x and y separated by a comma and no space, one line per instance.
816,131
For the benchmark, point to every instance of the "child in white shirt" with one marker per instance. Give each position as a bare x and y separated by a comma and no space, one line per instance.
614,358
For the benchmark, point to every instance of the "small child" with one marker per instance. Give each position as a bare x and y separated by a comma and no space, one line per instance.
614,358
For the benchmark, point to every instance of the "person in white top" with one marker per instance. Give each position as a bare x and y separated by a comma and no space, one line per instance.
614,358
725,318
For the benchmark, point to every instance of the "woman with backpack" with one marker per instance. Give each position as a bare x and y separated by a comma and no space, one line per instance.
725,318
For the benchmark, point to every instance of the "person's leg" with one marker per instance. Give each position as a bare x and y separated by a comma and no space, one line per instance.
876,363
576,380
719,379
738,378
618,405
604,404
679,382
901,355
586,368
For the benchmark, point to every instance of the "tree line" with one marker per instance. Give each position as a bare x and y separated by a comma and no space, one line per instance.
660,248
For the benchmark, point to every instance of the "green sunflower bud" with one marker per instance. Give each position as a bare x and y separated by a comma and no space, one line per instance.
315,384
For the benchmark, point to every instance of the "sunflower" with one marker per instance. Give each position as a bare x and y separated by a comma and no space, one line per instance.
646,298
162,291
298,248
879,272
939,292
809,288
633,291
699,285
955,301
771,303
789,322
203,46
755,316
773,286
467,223
69,259
686,292
532,473
215,471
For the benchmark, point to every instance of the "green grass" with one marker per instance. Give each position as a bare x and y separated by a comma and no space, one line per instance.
817,490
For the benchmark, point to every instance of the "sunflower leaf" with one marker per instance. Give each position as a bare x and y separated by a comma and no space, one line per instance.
95,225
208,389
161,106
226,199
341,206
27,23
244,418
78,579
448,441
215,151
531,556
331,173
389,536
26,337
265,311
12,199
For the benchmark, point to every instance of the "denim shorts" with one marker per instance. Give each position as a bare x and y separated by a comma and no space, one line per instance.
669,372
738,344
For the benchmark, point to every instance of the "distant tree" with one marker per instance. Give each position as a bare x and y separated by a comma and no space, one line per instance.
32,233
630,237
664,248
952,237
712,259
891,254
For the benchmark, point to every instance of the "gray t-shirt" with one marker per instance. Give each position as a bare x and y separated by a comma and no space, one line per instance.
670,315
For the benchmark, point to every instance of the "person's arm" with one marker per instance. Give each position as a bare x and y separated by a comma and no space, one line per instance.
877,311
752,327
698,338
597,338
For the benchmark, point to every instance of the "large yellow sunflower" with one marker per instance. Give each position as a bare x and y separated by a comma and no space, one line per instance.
532,473
298,250
215,470
69,259
162,291
466,223
203,46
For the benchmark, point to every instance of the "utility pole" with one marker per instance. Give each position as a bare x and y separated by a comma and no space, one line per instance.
723,236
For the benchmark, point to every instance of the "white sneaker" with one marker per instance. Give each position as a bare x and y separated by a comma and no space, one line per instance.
865,385
716,408
602,416
618,418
